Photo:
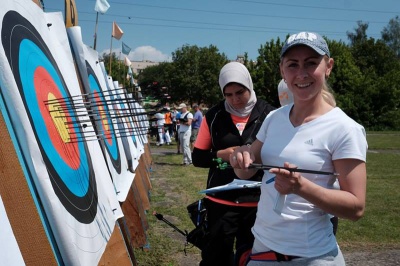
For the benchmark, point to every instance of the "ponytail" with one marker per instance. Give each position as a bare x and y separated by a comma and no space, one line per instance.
327,94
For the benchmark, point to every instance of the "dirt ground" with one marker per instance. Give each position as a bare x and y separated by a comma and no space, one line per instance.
371,258
362,257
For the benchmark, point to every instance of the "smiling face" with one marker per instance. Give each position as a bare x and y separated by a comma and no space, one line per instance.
305,72
236,95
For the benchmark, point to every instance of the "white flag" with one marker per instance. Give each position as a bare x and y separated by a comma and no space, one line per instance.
101,6
127,61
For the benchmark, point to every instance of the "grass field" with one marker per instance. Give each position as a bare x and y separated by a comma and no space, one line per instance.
379,228
175,186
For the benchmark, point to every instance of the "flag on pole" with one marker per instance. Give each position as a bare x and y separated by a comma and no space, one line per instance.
127,61
39,4
129,74
116,31
125,49
101,6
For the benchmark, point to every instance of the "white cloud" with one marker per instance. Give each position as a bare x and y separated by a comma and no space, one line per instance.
148,53
142,53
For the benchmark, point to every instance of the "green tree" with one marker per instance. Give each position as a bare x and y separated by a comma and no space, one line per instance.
359,34
377,91
192,77
155,81
265,71
195,74
118,68
345,79
391,35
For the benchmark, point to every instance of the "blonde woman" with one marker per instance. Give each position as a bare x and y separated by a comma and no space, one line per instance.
310,133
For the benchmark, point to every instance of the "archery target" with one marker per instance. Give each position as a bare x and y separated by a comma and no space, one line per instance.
129,127
104,124
51,113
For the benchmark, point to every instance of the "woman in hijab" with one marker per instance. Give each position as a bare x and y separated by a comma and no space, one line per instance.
233,122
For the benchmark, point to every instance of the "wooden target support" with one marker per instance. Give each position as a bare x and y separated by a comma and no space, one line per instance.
22,212
28,226
117,251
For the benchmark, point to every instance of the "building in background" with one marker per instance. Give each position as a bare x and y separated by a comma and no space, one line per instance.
138,66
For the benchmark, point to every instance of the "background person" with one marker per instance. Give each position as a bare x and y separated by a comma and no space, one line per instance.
197,118
168,125
185,131
160,128
177,116
284,94
173,116
312,133
227,125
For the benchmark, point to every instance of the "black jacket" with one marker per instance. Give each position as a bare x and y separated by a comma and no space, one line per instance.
224,134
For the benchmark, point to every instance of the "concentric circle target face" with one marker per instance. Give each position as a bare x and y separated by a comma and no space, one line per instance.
122,130
51,113
128,119
105,124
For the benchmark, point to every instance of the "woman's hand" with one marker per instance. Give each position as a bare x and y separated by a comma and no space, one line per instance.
226,153
286,182
242,157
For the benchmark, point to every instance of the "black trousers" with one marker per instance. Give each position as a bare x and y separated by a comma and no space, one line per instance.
229,227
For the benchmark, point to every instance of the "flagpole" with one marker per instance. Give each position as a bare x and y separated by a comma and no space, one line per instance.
124,76
119,62
119,66
110,53
95,31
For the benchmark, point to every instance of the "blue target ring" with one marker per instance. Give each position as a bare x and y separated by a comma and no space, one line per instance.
38,79
110,142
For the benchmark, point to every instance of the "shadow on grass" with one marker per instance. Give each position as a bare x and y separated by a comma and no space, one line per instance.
175,164
164,152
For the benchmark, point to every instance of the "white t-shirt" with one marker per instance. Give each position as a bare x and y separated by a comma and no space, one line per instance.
182,127
302,229
160,119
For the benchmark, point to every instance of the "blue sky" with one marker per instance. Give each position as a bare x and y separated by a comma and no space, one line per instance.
156,28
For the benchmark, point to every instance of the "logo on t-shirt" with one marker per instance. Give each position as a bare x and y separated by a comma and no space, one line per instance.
309,142
240,127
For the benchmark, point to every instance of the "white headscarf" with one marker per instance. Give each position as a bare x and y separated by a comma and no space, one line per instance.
238,73
285,95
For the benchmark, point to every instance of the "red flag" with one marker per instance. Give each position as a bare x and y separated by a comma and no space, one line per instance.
116,31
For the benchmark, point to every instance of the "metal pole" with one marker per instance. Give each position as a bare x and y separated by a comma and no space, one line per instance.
95,31
110,54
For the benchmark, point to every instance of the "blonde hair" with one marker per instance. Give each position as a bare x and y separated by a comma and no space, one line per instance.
327,94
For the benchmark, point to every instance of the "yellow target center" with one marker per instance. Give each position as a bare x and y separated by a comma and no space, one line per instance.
58,116
103,117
